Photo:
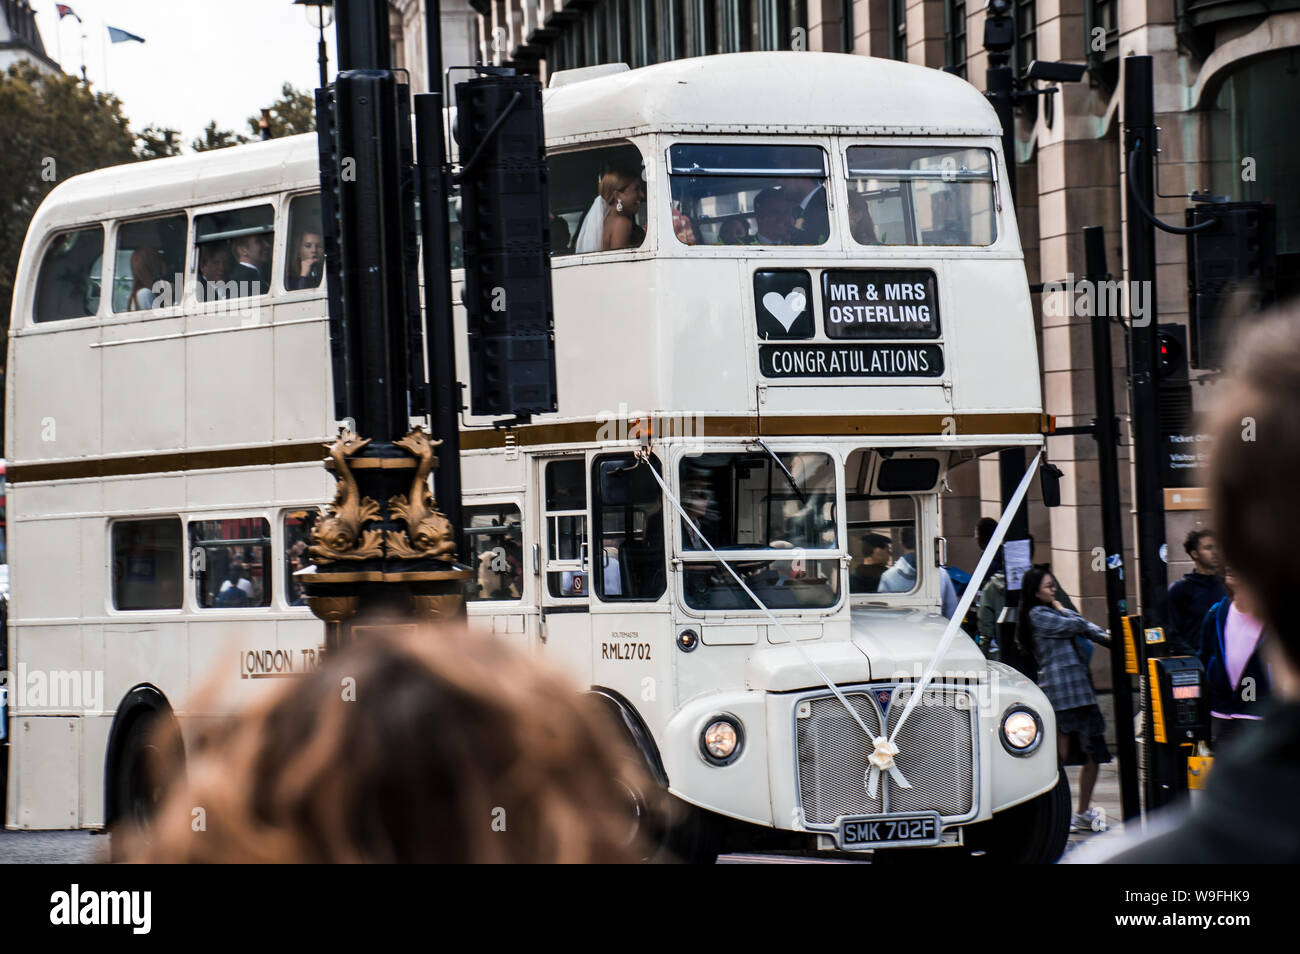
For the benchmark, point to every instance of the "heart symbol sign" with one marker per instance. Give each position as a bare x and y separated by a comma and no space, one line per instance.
786,309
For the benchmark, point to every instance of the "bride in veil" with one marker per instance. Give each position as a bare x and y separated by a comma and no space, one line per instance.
610,223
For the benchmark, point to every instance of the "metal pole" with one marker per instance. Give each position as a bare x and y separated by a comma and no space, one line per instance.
1148,494
999,82
440,336
362,30
1106,432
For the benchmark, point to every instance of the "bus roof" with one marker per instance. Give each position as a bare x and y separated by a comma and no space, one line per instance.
784,92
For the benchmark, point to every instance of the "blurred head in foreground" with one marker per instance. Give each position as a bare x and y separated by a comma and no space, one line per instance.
1254,472
427,744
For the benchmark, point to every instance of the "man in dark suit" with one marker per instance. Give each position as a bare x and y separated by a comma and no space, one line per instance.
811,220
252,256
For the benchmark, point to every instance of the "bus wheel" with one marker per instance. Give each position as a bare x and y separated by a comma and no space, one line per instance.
138,787
687,835
664,829
1032,833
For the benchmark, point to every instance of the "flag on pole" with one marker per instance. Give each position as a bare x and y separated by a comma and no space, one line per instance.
66,11
121,36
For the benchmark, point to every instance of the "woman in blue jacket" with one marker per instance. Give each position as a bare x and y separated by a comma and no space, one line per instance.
1236,675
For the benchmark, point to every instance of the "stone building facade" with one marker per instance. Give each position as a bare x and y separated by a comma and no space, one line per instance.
1225,71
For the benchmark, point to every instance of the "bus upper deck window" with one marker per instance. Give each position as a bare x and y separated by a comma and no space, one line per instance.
921,195
68,285
597,200
150,260
235,250
750,194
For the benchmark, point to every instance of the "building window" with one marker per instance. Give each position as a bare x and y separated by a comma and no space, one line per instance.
898,30
1026,48
644,33
1101,38
955,32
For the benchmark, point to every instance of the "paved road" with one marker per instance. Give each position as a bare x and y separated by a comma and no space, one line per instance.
52,847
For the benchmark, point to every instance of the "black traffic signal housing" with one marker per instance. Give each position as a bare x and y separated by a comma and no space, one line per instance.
1178,442
1231,272
505,224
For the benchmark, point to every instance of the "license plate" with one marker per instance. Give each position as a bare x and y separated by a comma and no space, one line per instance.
881,831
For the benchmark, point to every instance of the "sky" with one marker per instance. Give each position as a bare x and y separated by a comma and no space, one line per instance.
201,59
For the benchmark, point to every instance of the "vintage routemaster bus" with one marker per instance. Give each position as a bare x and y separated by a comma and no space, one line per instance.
818,310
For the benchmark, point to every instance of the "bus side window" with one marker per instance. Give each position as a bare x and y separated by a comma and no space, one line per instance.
628,510
148,570
566,529
305,258
149,262
230,559
575,182
68,285
494,548
235,249
297,537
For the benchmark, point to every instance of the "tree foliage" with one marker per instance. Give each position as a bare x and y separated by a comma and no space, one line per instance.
214,138
55,127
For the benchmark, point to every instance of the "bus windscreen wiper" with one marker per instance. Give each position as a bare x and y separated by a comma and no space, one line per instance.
789,477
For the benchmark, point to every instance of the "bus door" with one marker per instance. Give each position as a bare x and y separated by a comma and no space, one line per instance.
563,566
630,632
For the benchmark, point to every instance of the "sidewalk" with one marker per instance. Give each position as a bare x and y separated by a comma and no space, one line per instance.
1105,795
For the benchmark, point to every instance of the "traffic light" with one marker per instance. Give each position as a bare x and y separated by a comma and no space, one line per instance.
1231,272
505,223
1180,451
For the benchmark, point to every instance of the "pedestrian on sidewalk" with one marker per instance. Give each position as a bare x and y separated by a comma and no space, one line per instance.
1047,632
1236,675
1191,597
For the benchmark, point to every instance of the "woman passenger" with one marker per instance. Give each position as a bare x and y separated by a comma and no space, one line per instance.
147,269
306,261
1046,632
611,221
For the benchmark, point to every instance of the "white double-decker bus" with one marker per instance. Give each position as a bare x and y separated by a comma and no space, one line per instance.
819,308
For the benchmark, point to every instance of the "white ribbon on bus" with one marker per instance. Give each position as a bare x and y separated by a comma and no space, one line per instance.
885,751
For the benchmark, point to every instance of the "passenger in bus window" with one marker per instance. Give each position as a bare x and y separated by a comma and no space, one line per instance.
865,577
610,223
251,252
733,232
307,263
215,264
811,220
147,268
860,224
560,235
774,213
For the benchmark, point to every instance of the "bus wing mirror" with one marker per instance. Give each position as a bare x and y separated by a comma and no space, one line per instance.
1050,477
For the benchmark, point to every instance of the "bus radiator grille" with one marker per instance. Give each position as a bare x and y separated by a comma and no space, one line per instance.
936,755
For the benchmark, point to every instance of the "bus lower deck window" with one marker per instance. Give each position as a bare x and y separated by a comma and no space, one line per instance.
148,564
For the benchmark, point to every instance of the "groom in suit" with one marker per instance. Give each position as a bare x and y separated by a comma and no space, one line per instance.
252,260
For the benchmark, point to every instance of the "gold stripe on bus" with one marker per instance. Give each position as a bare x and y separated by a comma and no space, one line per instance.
705,426
572,432
84,468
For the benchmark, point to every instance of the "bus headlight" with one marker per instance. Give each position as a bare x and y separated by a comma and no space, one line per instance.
1022,730
722,740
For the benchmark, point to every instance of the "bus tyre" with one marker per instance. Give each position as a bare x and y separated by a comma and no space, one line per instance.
137,788
1031,833
666,830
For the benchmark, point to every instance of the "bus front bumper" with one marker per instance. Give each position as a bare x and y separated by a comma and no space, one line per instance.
803,761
